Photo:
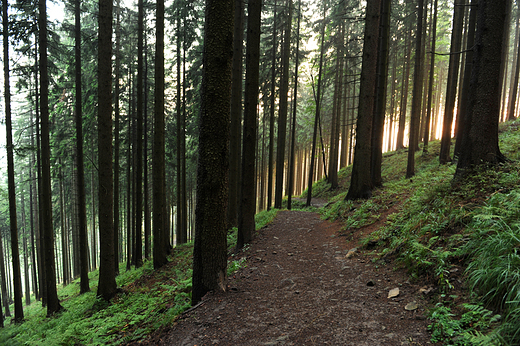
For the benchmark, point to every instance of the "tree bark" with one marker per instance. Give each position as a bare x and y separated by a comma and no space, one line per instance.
107,276
416,94
317,99
138,256
80,179
360,183
160,231
247,208
13,222
480,138
236,117
271,112
451,88
210,250
53,304
404,93
282,110
117,91
294,105
430,82
515,79
380,101
464,98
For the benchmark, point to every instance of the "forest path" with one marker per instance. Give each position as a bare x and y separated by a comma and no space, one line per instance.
300,289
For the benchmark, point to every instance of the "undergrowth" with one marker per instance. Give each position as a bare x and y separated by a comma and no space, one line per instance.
437,226
149,299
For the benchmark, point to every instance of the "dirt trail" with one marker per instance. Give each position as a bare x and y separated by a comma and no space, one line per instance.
299,289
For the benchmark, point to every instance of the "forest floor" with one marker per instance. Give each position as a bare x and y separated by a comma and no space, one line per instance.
299,287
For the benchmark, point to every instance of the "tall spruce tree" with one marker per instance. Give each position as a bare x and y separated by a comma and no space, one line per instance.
210,250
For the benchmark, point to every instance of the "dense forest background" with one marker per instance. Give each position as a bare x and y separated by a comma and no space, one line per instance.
312,98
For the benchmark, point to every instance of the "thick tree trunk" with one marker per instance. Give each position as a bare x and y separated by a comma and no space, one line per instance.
360,183
480,138
53,304
210,250
464,98
380,101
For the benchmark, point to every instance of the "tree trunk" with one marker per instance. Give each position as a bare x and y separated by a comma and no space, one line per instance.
138,256
282,110
80,181
236,117
480,138
117,91
468,70
3,283
53,304
247,208
160,231
13,222
416,95
294,105
404,93
210,250
271,111
336,112
93,254
33,218
430,82
380,101
107,275
360,183
451,88
514,84
146,206
26,271
317,99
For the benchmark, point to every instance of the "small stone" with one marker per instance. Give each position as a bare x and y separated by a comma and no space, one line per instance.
351,253
290,254
411,306
370,283
426,290
274,252
393,293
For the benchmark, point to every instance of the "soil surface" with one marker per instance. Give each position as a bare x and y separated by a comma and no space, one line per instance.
300,288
